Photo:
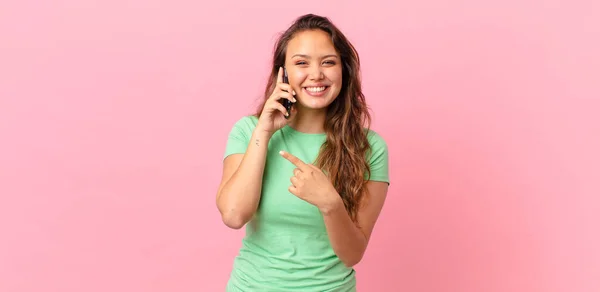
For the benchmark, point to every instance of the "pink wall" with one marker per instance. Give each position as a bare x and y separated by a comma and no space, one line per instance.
114,117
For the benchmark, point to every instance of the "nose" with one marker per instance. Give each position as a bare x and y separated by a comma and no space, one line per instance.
316,73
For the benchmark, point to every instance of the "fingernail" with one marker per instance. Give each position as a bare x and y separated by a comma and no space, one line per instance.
281,152
293,92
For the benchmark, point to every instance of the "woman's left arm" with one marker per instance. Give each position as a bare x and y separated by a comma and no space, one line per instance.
348,240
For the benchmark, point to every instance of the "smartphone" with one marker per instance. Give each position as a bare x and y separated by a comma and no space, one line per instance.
284,101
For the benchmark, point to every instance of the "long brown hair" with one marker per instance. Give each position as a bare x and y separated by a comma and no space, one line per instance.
343,156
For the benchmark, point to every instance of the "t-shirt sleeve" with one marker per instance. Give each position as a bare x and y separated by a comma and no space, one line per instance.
239,136
379,158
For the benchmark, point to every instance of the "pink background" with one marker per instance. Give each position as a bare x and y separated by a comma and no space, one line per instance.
114,117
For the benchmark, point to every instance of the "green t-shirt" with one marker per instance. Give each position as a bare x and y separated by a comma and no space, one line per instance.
286,247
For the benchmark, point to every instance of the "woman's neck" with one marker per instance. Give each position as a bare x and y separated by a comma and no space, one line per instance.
309,121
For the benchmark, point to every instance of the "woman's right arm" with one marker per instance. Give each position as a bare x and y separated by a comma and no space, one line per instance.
241,184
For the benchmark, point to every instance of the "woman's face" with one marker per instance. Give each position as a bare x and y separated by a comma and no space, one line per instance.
314,69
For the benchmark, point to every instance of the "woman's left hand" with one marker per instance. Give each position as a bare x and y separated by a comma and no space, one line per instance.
310,184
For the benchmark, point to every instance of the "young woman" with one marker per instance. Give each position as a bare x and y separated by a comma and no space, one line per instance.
309,186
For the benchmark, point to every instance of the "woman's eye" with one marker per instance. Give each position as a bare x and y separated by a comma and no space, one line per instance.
301,63
330,62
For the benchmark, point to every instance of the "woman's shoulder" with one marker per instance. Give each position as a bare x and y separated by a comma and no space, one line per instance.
378,157
246,123
376,139
248,119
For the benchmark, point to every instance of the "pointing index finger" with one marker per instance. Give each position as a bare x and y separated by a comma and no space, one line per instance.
293,159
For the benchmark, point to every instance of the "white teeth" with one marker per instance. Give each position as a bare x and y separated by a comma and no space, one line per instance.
315,89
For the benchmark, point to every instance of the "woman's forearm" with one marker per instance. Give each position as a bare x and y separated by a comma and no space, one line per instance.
348,241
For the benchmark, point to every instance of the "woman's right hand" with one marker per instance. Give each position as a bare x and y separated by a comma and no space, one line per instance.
273,115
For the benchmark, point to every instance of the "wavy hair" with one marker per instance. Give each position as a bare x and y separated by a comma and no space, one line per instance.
343,156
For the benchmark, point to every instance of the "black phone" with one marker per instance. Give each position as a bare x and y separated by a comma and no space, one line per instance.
284,101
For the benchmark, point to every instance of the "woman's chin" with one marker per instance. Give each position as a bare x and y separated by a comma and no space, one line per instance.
312,103
313,106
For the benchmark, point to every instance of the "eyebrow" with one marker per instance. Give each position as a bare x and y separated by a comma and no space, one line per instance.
308,57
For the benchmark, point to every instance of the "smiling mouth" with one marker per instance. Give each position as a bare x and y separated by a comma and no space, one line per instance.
316,89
